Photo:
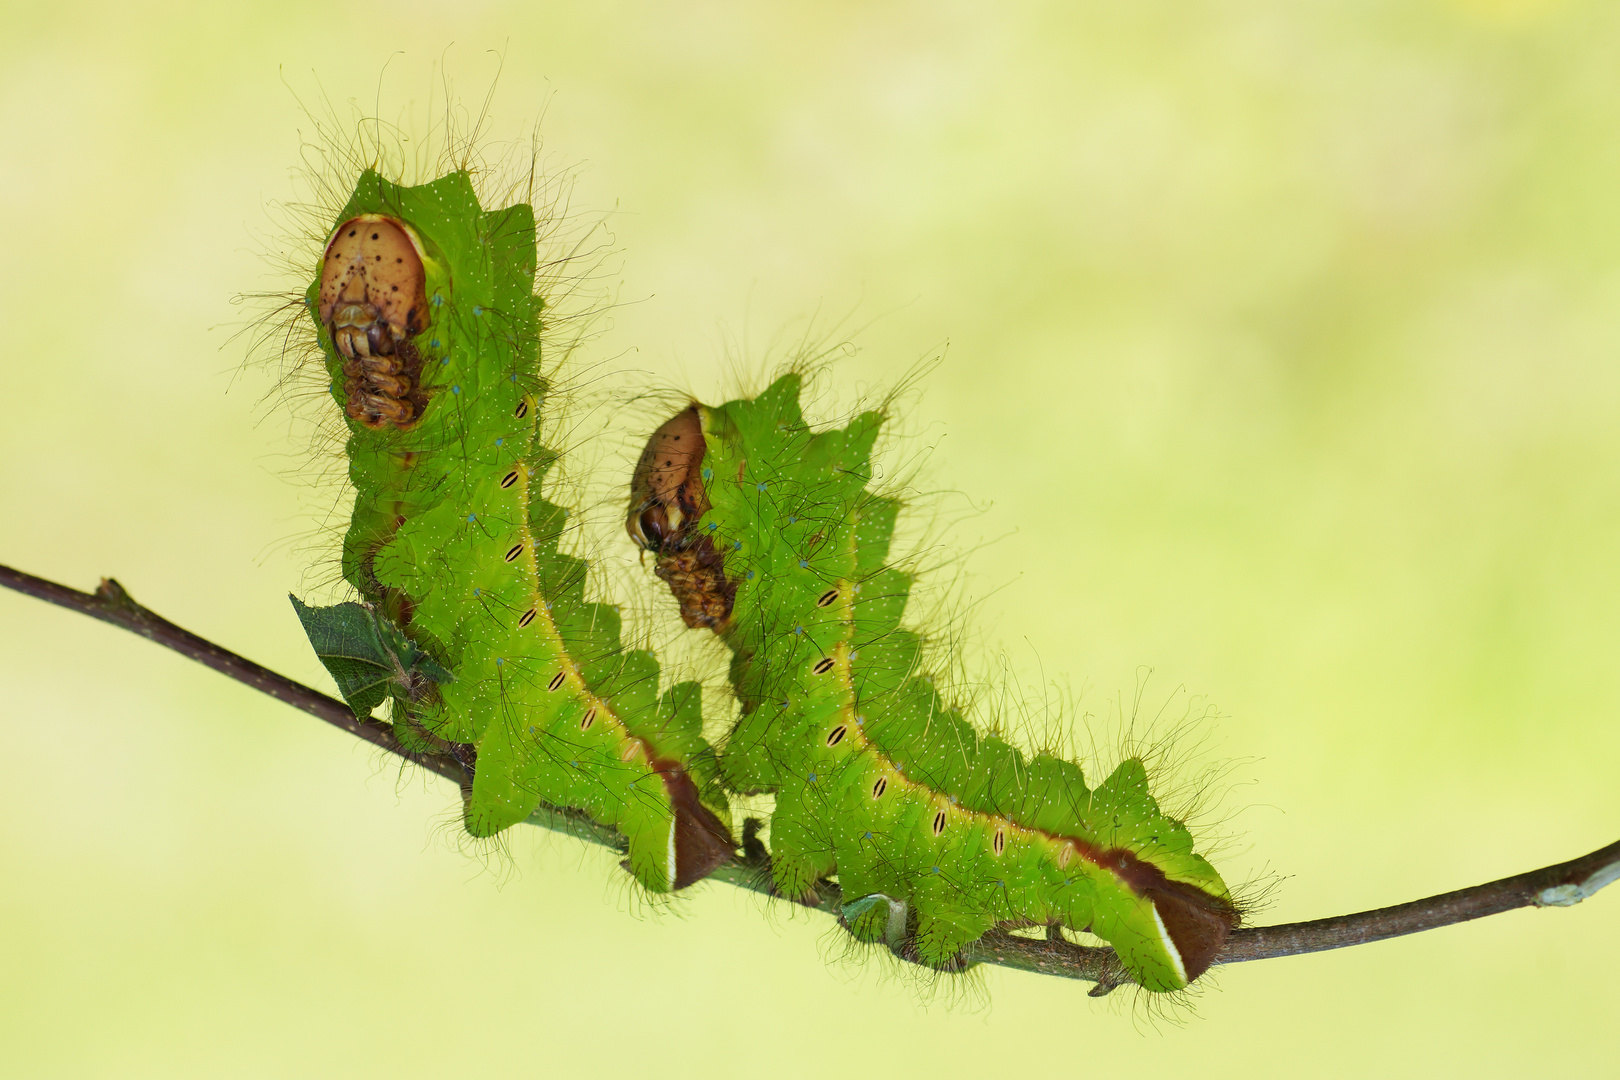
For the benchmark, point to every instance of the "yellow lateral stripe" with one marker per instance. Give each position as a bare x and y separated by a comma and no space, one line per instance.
571,672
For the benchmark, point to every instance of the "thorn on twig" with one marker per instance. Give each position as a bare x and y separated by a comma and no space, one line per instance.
115,597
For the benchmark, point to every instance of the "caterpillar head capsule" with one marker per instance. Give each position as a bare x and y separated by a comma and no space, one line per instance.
373,301
667,500
667,495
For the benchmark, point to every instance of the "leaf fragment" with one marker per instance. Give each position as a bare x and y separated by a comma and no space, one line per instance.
368,657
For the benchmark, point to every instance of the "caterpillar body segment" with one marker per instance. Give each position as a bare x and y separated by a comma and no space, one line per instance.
877,779
430,327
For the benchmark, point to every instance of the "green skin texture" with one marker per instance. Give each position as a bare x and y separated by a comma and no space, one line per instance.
792,514
430,534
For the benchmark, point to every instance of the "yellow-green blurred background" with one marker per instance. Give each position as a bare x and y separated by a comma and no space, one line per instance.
1282,348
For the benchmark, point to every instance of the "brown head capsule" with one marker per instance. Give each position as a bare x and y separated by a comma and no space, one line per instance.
667,495
373,301
667,499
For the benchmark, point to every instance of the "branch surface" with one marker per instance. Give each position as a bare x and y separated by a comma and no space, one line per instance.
1560,885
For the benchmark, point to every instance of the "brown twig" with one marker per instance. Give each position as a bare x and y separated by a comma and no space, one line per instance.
1551,886
110,603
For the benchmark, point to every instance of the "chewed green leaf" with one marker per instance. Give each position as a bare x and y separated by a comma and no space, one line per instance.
367,656
432,669
876,918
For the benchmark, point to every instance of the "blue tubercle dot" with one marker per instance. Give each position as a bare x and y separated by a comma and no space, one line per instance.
713,525
812,778
512,377
478,309
531,729
472,517
798,629
708,474
445,362
434,343
804,564
936,869
750,575
736,545
499,660
478,592
868,834
760,486
793,519
438,300
456,389
499,441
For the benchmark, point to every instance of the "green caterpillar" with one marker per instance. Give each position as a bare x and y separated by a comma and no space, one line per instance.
472,621
768,534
